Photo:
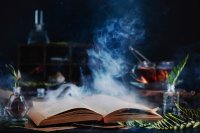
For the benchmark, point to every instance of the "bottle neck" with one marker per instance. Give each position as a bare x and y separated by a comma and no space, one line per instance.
170,88
17,90
39,27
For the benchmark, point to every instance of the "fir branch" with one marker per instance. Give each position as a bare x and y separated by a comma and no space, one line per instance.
170,121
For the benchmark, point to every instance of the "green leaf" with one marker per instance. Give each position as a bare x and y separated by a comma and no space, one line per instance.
176,71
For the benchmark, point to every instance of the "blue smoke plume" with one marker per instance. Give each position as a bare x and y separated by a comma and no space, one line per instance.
107,59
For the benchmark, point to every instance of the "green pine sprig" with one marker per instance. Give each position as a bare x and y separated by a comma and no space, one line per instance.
176,71
15,74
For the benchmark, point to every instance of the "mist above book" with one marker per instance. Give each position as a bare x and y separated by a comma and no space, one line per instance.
91,108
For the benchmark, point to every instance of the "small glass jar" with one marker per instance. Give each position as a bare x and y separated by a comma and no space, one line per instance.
40,92
16,108
170,99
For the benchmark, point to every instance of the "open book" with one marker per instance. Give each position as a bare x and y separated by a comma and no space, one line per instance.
92,108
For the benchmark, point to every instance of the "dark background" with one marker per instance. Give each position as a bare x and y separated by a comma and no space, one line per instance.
172,27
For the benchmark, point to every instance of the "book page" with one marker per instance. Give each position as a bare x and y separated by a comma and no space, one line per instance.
101,104
104,104
56,106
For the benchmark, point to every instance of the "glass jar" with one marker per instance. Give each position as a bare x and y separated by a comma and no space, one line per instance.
16,108
147,72
163,69
40,92
170,99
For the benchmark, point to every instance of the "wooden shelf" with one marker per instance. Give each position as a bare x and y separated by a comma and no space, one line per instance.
45,59
30,64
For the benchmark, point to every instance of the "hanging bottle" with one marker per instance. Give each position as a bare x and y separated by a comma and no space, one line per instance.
38,35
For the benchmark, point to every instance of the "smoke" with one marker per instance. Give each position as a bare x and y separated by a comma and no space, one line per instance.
107,59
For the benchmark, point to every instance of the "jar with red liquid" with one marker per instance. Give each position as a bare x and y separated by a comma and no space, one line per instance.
163,69
16,108
147,72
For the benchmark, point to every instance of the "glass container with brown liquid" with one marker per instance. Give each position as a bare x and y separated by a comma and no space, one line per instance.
163,69
16,107
153,73
147,70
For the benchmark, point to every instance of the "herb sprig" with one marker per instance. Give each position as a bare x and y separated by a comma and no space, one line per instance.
176,71
15,74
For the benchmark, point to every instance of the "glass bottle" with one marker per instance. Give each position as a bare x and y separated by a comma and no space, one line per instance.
170,99
38,35
16,108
